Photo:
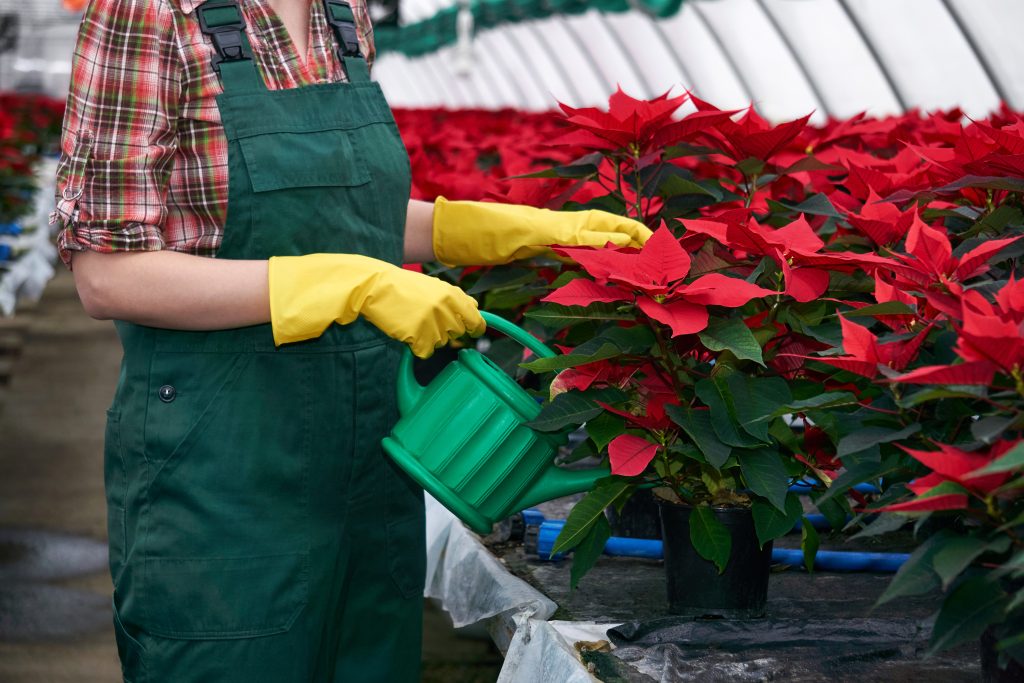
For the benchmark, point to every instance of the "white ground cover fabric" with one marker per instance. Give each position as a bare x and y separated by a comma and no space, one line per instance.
473,586
26,278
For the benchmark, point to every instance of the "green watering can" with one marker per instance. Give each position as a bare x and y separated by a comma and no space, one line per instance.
464,438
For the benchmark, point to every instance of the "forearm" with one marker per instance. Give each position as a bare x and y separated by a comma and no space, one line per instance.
419,232
172,290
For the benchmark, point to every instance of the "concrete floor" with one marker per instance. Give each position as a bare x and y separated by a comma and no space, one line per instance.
54,590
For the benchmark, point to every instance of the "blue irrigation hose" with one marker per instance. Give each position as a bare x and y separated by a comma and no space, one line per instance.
825,560
807,487
843,561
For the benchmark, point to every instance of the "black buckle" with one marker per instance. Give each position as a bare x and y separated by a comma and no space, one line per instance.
227,38
344,29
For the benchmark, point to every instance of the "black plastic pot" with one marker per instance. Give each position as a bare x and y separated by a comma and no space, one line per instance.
695,588
639,517
990,671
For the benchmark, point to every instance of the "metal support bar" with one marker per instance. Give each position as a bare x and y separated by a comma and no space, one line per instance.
641,76
818,94
986,65
717,39
844,4
659,30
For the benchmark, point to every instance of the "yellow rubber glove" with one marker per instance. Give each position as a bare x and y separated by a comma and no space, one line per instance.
308,293
484,233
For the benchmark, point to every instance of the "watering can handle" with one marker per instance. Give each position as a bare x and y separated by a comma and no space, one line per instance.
516,333
409,390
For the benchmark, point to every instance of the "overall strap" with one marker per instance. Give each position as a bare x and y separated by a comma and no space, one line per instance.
343,22
223,22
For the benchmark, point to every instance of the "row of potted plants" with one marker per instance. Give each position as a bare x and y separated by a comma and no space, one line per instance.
833,305
29,128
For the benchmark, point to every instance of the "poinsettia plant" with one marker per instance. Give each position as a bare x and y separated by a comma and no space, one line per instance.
681,358
944,375
837,304
29,126
818,305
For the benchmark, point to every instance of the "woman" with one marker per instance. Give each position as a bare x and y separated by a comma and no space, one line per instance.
233,192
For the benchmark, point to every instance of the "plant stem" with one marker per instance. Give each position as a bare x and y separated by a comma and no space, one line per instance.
636,181
749,186
671,368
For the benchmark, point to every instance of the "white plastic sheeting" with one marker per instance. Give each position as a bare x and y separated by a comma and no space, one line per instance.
473,586
789,57
24,280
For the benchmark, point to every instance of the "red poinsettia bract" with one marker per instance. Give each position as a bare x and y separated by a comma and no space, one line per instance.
653,279
864,353
641,126
794,247
990,341
959,467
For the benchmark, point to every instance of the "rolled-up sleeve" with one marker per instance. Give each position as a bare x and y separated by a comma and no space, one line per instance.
119,134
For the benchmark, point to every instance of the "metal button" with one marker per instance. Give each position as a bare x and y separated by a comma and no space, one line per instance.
167,393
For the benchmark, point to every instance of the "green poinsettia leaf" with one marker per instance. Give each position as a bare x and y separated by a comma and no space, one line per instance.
885,308
583,167
936,393
732,334
958,553
973,606
574,408
755,400
500,277
605,427
697,425
916,576
586,512
771,523
835,510
576,358
765,475
867,437
859,473
809,543
556,316
817,205
829,399
589,549
990,429
883,524
710,538
716,395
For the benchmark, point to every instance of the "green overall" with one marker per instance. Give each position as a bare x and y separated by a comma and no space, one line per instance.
257,531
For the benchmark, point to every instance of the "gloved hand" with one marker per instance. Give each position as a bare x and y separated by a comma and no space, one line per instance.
308,293
483,233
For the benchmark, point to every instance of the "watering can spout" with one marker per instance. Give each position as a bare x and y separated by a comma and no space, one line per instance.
557,482
409,389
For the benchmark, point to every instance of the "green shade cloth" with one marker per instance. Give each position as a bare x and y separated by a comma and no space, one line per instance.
438,31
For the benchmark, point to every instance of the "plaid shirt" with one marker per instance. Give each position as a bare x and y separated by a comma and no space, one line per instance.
144,156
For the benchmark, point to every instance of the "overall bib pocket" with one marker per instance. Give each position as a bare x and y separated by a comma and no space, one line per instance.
224,541
326,158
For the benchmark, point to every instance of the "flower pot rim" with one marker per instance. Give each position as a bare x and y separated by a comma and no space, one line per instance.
715,508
